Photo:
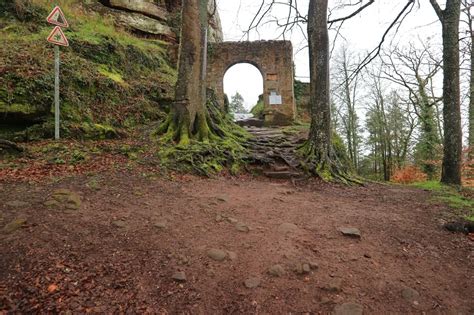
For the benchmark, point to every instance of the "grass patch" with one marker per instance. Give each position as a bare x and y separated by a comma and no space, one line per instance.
296,128
450,196
111,74
110,79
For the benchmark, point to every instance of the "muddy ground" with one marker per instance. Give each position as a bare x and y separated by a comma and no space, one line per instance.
122,243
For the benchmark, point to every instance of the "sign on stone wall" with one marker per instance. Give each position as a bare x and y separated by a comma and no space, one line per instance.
275,99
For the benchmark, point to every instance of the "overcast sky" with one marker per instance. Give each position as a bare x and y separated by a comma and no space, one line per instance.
360,34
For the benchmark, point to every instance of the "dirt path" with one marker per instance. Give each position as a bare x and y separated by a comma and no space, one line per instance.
119,249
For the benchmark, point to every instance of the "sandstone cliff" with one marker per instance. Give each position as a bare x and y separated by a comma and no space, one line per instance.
118,73
154,18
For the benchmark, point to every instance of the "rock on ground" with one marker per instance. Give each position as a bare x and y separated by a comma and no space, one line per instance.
351,232
349,309
410,294
179,276
217,254
287,228
276,270
252,283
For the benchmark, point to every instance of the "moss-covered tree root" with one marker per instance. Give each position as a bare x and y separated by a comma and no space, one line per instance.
332,167
209,144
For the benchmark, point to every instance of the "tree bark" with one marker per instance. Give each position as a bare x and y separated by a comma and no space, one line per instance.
321,157
452,158
187,118
319,139
471,81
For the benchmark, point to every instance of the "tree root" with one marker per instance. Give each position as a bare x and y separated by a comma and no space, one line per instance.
328,167
213,142
8,145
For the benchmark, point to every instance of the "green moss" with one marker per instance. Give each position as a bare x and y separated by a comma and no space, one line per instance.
17,108
296,128
259,108
431,185
113,74
220,146
450,196
108,77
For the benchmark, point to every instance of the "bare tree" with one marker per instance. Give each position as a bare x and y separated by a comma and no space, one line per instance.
414,69
319,152
346,94
467,5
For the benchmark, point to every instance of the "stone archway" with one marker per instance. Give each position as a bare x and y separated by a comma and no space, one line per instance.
274,59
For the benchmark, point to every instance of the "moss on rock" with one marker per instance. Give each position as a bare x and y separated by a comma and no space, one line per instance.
110,80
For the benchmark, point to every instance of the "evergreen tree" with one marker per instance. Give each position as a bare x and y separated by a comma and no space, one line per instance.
236,105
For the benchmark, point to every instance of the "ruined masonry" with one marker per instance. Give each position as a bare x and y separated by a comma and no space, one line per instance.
274,59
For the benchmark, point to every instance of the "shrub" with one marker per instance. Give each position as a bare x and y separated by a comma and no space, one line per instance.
408,175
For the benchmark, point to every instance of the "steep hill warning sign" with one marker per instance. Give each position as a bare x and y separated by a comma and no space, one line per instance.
57,17
57,37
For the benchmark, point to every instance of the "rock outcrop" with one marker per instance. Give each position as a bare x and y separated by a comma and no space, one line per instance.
160,19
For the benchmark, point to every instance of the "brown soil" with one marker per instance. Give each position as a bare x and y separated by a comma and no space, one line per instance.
80,261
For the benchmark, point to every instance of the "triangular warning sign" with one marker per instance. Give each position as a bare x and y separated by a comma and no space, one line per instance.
57,17
57,37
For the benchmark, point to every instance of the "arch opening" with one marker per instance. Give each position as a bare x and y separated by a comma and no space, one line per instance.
246,80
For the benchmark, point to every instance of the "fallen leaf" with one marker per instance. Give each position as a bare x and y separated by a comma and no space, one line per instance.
52,288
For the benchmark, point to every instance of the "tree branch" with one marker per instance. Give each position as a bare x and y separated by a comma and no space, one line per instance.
437,9
362,8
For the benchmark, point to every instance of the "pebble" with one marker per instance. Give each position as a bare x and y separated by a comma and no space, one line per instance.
314,265
302,268
223,198
349,309
119,224
252,283
160,225
179,276
287,228
217,254
410,294
242,227
334,285
350,232
232,220
276,270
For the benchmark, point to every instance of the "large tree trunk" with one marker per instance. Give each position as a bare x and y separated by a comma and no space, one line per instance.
471,89
188,115
321,158
319,140
452,159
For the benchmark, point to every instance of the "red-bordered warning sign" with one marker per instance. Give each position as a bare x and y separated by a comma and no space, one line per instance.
57,37
57,17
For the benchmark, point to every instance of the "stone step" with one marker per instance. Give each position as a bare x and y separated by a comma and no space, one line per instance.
283,174
280,168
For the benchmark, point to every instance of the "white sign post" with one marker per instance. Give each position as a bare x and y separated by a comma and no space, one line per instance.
57,37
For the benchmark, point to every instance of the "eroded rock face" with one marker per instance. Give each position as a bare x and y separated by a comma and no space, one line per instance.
156,18
145,7
145,24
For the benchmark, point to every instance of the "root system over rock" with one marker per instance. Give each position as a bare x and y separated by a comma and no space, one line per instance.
214,142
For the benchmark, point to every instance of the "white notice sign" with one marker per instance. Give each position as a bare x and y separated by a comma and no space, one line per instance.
275,99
